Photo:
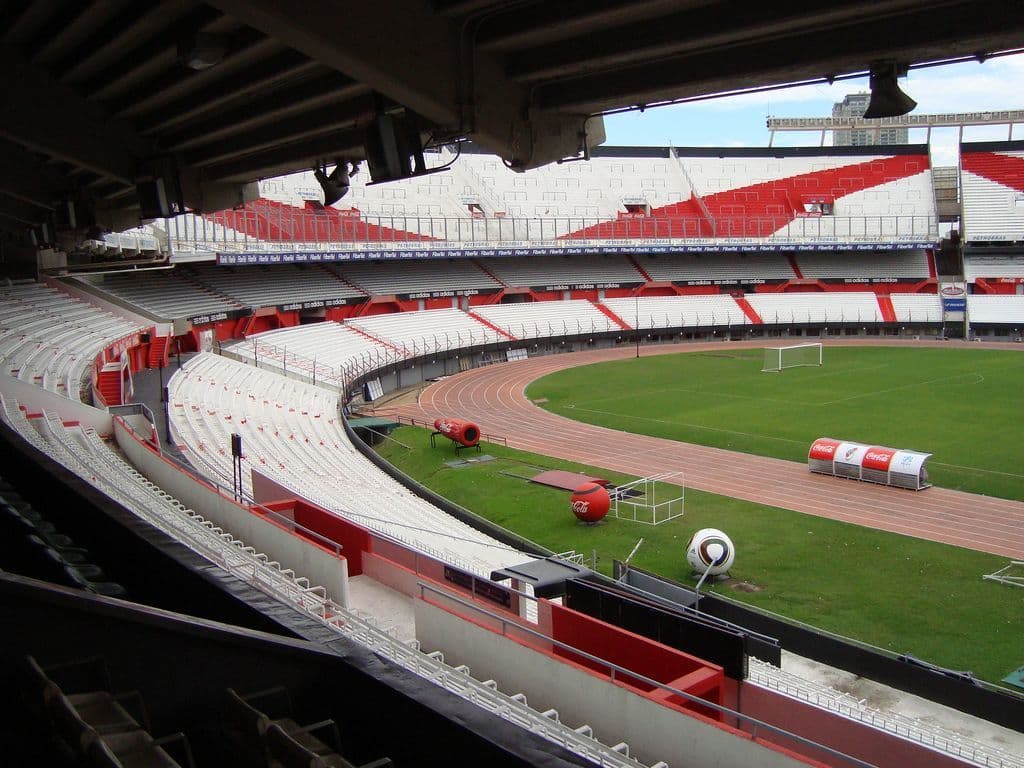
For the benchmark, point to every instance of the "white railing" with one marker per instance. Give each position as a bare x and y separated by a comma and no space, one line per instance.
300,230
934,736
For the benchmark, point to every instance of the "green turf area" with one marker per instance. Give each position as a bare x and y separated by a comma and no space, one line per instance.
962,405
892,591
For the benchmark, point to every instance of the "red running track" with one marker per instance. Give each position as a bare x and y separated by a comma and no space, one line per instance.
494,397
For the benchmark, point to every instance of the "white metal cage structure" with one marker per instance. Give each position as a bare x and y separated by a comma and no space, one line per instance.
795,356
650,500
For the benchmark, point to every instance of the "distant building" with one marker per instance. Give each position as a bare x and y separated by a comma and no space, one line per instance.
854,105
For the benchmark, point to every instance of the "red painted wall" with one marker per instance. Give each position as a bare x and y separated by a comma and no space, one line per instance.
639,654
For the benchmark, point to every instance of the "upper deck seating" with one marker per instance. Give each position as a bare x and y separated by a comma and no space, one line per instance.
415,276
163,293
544,271
738,267
265,286
993,267
992,183
886,264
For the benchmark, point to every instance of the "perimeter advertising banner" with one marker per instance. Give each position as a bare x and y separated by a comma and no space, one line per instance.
380,252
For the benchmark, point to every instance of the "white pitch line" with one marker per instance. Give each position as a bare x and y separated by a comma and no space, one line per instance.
903,386
694,426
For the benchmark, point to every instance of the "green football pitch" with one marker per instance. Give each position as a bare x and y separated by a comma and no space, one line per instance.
965,406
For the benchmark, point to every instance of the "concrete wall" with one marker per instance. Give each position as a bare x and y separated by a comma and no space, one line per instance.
36,400
653,731
321,567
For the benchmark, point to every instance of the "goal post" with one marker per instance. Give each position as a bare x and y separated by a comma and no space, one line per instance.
778,358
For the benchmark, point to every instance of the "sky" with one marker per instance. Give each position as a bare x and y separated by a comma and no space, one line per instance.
739,121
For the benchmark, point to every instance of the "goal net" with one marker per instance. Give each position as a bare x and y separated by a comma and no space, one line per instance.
777,358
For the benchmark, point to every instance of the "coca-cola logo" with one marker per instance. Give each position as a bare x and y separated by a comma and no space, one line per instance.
876,456
580,507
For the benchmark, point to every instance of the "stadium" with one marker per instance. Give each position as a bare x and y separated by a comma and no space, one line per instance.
296,478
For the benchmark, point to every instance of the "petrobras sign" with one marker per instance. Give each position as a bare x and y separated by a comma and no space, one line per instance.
433,250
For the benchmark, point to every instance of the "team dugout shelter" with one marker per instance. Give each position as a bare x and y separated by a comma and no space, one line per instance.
875,464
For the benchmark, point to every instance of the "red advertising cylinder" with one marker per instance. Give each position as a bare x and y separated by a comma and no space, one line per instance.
463,432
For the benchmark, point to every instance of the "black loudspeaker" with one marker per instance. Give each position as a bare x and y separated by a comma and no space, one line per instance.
236,445
393,149
144,338
158,188
153,201
887,100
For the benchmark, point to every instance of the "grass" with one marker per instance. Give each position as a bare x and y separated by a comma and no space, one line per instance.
896,592
962,405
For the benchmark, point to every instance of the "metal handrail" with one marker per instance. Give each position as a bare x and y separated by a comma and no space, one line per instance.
238,230
617,669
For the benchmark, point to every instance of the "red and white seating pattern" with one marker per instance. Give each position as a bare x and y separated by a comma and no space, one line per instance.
992,184
621,193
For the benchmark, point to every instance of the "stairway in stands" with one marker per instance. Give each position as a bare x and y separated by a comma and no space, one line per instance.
158,352
108,383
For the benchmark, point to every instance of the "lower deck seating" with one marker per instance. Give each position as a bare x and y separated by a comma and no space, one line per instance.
31,546
94,725
263,727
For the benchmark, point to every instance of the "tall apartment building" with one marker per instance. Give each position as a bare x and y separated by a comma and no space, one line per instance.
854,105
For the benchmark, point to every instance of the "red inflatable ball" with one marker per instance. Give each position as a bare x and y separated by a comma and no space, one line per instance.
590,502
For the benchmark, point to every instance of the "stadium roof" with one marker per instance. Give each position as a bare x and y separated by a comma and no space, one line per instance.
211,95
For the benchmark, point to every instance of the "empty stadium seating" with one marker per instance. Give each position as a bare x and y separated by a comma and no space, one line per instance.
679,311
989,267
717,267
895,264
427,332
803,195
384,279
992,180
291,433
165,294
542,271
816,308
544,319
267,286
996,309
50,339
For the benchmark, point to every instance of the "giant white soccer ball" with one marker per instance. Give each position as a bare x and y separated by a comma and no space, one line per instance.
710,547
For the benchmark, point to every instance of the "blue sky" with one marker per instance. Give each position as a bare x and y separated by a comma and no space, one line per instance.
740,121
